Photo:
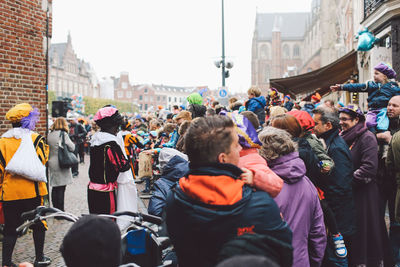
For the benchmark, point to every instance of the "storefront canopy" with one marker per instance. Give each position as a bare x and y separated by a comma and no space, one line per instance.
319,80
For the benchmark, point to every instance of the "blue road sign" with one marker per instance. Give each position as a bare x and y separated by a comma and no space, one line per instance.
222,92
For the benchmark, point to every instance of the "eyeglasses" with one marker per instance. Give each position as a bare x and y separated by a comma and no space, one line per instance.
345,119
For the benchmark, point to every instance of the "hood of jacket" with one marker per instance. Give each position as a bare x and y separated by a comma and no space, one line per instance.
289,167
175,169
216,184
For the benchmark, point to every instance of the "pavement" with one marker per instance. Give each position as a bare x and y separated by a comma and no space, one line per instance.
76,203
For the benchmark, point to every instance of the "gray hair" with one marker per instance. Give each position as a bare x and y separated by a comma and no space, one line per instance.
275,143
328,115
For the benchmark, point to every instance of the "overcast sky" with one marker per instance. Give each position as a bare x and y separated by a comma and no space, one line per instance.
171,42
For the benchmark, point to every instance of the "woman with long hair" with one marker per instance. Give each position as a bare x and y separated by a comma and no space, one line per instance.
59,177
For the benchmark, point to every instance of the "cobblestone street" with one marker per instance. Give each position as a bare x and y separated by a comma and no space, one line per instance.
76,203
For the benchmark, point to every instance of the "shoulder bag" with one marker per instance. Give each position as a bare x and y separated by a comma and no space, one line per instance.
66,158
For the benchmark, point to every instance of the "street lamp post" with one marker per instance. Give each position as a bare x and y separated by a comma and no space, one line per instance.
223,47
221,63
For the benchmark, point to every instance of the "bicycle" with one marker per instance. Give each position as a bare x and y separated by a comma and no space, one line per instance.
140,244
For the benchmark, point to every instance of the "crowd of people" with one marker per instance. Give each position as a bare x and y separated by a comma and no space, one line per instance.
267,180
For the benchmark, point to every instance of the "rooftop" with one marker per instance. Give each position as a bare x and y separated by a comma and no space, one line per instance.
291,25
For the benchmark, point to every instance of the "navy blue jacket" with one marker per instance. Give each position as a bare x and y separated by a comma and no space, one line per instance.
337,186
199,229
175,169
378,94
309,107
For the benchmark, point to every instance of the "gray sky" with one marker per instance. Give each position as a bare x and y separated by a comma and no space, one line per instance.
171,42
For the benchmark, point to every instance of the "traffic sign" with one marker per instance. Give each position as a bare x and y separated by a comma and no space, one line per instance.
222,93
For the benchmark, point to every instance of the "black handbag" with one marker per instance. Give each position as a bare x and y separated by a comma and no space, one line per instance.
66,158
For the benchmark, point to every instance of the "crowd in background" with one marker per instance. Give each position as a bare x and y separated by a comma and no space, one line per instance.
299,183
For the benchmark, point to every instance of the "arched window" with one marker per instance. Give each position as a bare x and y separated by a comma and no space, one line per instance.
264,52
296,51
285,51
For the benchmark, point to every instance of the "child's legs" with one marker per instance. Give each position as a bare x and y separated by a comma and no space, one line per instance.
371,118
329,217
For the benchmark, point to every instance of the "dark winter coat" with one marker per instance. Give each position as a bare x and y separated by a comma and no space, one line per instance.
288,105
257,105
211,206
299,203
176,168
378,94
370,240
309,107
337,186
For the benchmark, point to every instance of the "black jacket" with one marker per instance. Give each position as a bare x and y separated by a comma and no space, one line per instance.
199,229
337,186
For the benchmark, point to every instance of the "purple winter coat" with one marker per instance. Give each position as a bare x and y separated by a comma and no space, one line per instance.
299,203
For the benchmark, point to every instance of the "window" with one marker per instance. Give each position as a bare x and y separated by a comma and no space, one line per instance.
120,94
169,99
141,106
140,97
151,99
124,85
296,51
158,98
267,74
129,94
285,51
264,53
146,98
164,98
145,106
146,90
175,99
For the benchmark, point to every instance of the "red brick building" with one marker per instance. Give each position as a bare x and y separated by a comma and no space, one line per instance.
149,96
277,47
24,37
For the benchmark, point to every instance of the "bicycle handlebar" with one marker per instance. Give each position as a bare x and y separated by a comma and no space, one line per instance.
39,211
146,217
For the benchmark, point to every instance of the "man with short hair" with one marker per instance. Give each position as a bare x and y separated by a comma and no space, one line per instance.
92,241
211,204
386,177
337,185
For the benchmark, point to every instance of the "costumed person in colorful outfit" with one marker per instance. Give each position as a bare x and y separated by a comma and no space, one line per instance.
107,161
126,190
23,155
130,141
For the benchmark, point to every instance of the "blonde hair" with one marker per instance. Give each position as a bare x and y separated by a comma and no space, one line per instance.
60,124
232,100
254,91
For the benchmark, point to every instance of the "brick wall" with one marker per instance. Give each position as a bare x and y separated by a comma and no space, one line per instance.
23,56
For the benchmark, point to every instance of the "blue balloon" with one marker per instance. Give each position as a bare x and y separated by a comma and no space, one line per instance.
366,40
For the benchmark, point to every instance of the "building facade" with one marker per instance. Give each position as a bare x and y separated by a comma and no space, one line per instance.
25,35
148,97
69,75
277,46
